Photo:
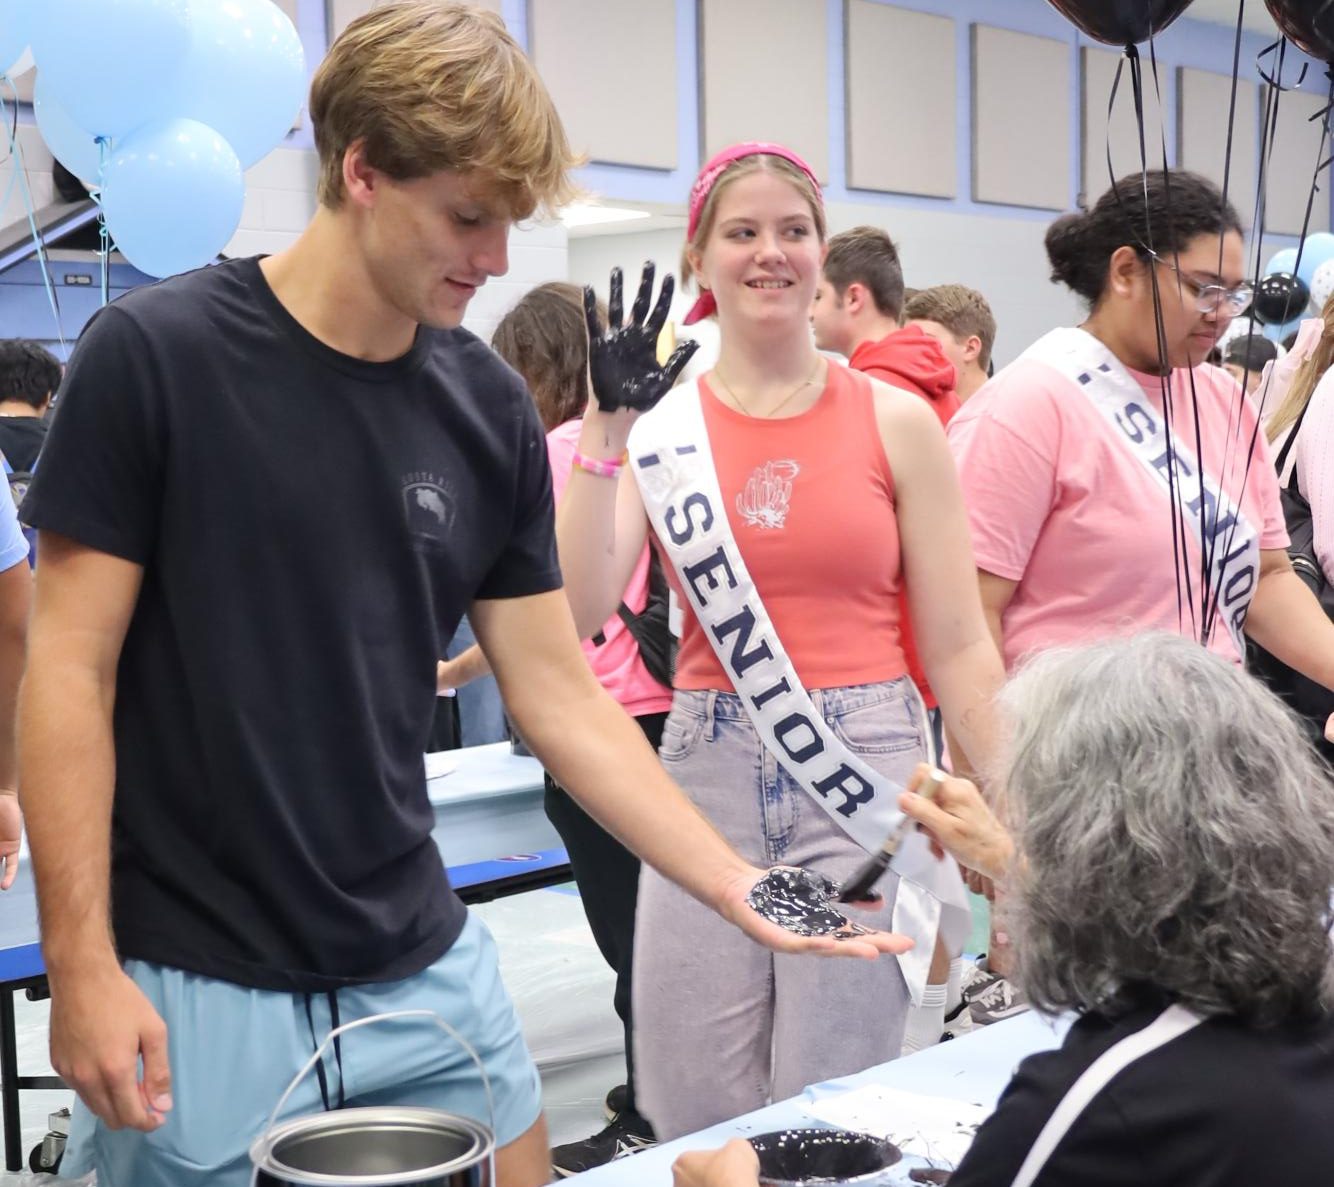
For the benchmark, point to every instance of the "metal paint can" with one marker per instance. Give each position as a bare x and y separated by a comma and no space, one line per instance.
386,1146
376,1147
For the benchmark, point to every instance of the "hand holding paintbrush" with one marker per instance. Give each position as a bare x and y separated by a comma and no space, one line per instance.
858,887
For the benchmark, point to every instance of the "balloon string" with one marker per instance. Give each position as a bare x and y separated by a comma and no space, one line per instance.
1206,573
1268,137
20,178
1323,160
103,235
1209,528
1281,46
1185,598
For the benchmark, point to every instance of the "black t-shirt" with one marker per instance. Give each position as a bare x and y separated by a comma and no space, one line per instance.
21,439
1224,1105
311,528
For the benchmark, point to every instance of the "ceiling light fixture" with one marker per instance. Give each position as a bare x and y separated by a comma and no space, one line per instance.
589,214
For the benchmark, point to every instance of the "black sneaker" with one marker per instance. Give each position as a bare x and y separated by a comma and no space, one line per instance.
618,1100
627,1135
994,998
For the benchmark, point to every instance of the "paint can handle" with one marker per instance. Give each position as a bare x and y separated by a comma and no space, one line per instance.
392,1016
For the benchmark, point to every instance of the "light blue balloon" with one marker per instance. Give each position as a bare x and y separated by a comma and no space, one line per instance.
1282,261
16,22
172,195
70,144
1316,249
112,64
245,74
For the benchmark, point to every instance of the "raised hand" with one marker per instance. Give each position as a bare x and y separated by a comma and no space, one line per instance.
623,360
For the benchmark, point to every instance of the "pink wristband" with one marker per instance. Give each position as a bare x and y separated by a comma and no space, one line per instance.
592,465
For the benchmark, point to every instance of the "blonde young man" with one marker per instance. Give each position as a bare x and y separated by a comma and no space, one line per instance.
961,321
274,487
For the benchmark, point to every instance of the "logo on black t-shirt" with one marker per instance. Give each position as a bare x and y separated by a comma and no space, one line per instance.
429,503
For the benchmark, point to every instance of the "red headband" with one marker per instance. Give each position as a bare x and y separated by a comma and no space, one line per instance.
703,187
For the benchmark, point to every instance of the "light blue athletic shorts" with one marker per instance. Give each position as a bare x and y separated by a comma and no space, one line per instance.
234,1050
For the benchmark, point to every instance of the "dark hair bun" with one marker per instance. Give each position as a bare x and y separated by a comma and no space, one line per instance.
1067,251
1162,211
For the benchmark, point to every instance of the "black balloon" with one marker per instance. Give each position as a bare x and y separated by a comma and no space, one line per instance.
1308,24
1279,298
1120,22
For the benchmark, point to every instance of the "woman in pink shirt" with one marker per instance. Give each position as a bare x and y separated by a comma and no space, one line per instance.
1089,517
832,486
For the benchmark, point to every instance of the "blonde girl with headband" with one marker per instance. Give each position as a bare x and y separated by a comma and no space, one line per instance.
833,490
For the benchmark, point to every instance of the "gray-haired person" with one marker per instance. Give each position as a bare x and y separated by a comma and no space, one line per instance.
1170,864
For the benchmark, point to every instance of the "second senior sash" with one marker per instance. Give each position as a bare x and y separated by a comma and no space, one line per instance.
1234,549
673,464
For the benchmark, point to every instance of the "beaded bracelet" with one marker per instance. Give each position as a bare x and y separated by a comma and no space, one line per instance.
598,467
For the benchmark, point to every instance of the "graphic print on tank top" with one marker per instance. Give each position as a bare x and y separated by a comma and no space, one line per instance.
764,500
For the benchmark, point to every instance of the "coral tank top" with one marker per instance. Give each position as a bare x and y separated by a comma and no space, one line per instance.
810,500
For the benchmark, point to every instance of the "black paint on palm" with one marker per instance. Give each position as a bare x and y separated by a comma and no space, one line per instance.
623,361
799,901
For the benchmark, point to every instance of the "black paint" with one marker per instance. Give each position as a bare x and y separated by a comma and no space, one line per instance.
802,901
821,1155
623,360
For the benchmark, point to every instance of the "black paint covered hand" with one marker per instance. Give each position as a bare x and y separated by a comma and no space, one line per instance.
623,362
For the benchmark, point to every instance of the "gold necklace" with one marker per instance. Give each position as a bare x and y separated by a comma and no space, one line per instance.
805,383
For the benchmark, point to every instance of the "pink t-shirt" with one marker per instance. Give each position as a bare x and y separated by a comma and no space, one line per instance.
1060,505
616,662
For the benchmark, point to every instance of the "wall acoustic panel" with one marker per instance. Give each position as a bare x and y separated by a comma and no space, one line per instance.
900,75
342,12
589,50
1296,147
1202,110
1096,78
765,75
1022,149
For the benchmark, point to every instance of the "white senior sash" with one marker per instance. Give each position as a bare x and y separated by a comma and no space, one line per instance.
1136,425
672,461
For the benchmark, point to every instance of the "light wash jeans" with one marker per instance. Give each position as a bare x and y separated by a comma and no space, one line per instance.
722,1025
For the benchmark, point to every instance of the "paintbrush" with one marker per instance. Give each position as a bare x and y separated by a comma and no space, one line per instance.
858,887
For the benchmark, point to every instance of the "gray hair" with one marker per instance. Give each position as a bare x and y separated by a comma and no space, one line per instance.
1178,831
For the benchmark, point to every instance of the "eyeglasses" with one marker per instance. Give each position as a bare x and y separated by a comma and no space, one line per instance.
1213,298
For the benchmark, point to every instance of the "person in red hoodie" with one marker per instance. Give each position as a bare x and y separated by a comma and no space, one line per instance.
856,313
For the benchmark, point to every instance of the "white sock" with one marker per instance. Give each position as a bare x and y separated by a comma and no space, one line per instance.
954,987
925,1022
